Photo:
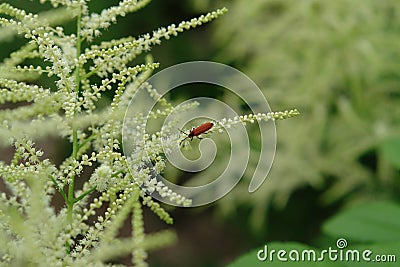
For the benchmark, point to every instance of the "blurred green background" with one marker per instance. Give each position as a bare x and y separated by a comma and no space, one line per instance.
338,63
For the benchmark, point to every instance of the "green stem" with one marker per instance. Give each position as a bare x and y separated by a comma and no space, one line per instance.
84,194
59,189
90,138
75,144
90,73
70,197
115,174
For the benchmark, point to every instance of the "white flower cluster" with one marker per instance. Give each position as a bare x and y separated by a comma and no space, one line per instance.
93,23
146,160
102,178
70,110
252,118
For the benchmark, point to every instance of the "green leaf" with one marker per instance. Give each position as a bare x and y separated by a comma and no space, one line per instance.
390,149
254,257
377,221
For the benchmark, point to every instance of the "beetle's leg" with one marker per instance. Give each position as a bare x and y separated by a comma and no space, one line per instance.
202,134
180,143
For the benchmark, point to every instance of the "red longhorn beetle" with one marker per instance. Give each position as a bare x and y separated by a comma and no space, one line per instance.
197,131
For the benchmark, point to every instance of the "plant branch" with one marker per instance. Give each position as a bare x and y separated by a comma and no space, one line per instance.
84,194
59,189
75,144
